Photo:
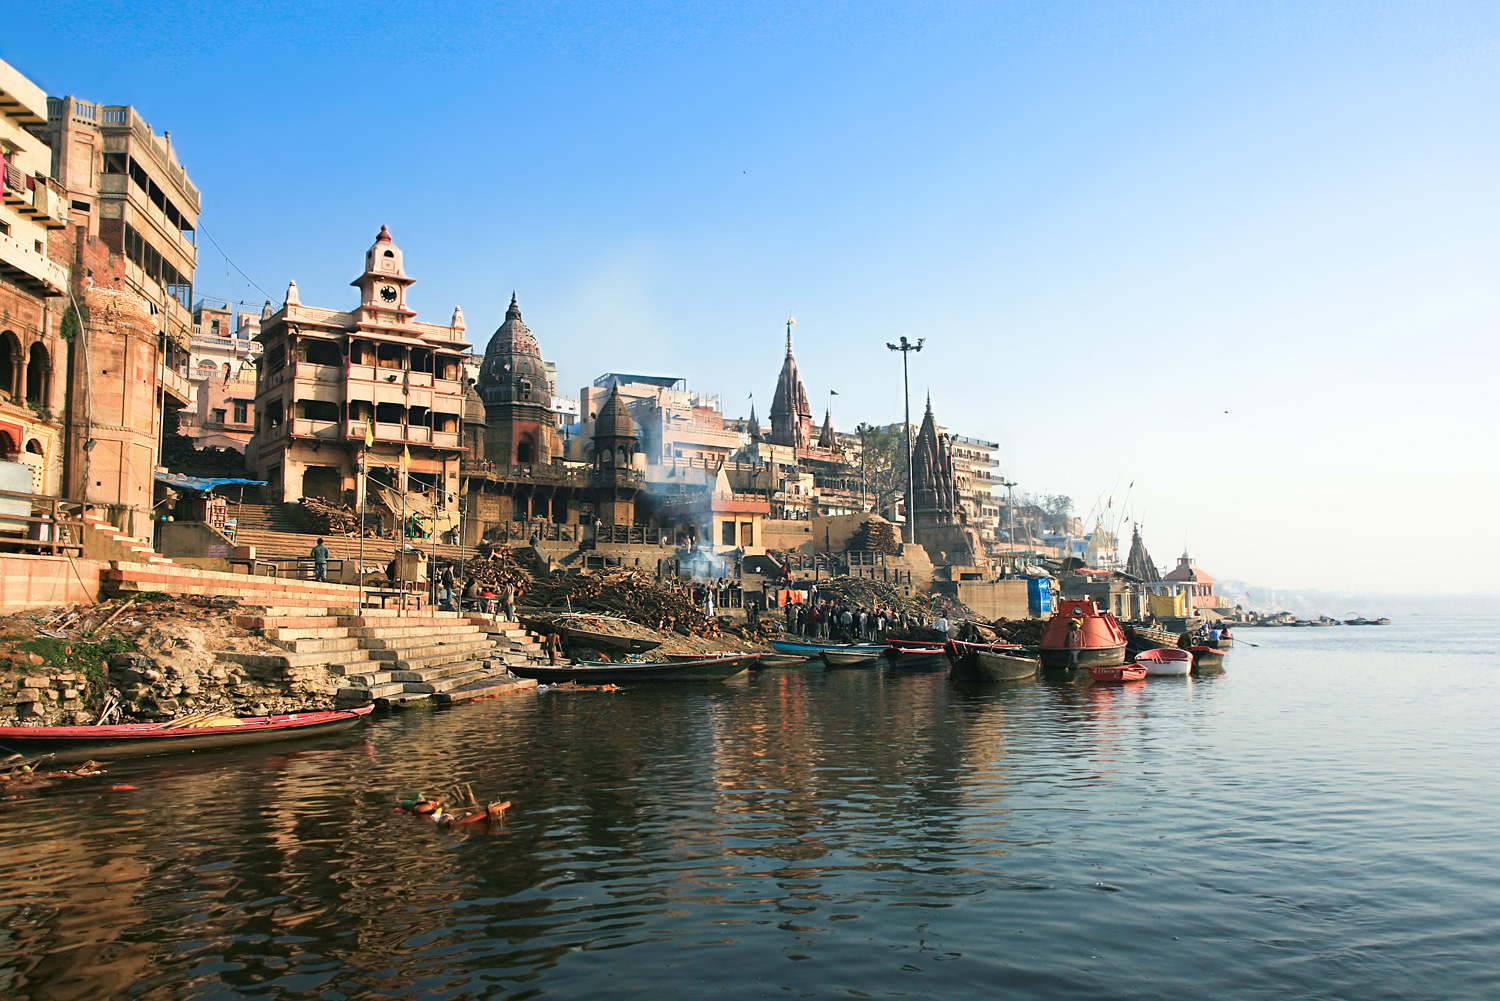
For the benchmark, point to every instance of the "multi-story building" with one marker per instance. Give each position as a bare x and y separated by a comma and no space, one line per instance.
33,288
974,476
127,189
221,367
328,378
683,436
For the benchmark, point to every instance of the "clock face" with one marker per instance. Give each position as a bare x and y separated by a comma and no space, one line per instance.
388,293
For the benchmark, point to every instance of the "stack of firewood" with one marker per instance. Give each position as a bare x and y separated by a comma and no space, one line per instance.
875,536
324,518
629,593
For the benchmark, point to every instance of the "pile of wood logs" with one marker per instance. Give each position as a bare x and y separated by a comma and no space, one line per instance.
325,518
629,593
863,592
875,536
498,569
1027,632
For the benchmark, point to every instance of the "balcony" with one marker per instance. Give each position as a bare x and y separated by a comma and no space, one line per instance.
445,439
303,427
51,202
21,264
319,373
177,386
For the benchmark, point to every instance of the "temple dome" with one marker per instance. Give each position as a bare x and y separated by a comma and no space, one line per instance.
614,420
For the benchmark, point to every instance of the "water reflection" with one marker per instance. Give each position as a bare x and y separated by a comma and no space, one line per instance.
881,825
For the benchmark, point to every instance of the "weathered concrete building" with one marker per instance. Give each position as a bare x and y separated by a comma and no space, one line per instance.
328,379
33,288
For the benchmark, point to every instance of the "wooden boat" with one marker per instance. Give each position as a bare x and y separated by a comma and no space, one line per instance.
807,648
1124,672
780,660
699,669
852,656
1165,662
1207,658
992,661
78,743
1099,642
910,655
596,638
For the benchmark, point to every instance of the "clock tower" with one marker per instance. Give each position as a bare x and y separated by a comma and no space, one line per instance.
382,288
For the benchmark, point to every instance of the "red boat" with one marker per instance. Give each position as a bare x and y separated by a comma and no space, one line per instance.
1125,672
78,743
1080,635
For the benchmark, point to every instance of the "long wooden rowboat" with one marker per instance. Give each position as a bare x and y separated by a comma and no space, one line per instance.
992,661
79,743
780,660
595,638
702,669
807,648
852,656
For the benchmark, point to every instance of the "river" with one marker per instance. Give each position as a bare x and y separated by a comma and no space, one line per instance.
1319,821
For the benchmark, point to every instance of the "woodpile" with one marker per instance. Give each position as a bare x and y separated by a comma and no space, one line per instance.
875,536
325,518
496,570
864,592
1027,632
629,593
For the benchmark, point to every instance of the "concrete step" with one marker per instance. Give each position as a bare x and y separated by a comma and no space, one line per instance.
433,655
371,617
395,634
435,660
265,622
403,700
352,696
323,629
420,641
483,688
436,674
337,645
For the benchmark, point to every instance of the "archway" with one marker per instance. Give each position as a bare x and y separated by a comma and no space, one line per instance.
39,376
525,450
10,365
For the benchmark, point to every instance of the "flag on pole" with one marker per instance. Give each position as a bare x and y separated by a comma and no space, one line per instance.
405,459
369,433
833,392
463,488
791,321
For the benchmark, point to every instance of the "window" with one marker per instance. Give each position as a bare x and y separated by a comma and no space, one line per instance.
214,326
82,206
726,533
218,415
241,411
747,533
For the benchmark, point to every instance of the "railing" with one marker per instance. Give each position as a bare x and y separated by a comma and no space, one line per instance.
56,531
546,531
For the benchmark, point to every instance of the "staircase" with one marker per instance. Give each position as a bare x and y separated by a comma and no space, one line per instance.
390,658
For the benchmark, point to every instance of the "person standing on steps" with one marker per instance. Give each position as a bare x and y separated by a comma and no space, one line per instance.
320,562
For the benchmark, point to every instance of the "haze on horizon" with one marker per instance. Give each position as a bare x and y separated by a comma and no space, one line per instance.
1229,269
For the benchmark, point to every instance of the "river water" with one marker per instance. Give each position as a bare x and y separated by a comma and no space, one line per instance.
1320,821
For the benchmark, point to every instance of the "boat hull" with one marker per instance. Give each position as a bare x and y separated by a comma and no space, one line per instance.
1165,663
1084,658
781,660
1207,659
805,648
79,743
715,669
1106,675
589,637
851,658
985,665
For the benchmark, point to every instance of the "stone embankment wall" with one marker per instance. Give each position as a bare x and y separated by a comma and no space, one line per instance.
157,661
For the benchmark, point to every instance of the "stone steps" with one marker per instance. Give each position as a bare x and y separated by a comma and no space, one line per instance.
378,644
325,646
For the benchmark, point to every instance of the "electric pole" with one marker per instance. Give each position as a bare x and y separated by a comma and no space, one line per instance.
906,348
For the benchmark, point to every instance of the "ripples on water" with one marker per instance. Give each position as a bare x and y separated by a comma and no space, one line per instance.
1317,822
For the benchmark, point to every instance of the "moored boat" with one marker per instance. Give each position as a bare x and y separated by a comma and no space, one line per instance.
698,669
78,743
1079,635
1207,658
807,648
1124,672
1150,638
992,661
597,638
852,656
780,660
1165,662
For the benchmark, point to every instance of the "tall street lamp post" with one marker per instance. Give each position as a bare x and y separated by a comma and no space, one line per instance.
906,348
1010,505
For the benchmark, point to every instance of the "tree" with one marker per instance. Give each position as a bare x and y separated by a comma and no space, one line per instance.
884,462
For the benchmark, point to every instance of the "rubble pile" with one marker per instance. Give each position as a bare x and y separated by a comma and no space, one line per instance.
142,660
875,536
629,593
325,518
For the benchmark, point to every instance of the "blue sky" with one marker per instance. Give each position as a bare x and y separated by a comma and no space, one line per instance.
1242,256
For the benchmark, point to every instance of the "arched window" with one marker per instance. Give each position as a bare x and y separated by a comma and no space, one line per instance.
7,445
34,447
10,366
39,376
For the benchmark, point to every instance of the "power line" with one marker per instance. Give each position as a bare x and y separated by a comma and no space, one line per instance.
231,263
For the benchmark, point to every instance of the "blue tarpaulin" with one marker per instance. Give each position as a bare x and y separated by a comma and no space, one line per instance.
202,483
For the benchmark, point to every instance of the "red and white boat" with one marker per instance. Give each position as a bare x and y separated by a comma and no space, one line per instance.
1165,662
78,743
1125,672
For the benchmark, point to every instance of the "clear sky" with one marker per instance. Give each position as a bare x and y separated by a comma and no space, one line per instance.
1242,256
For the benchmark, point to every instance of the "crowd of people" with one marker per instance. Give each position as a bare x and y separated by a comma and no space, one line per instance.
853,623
